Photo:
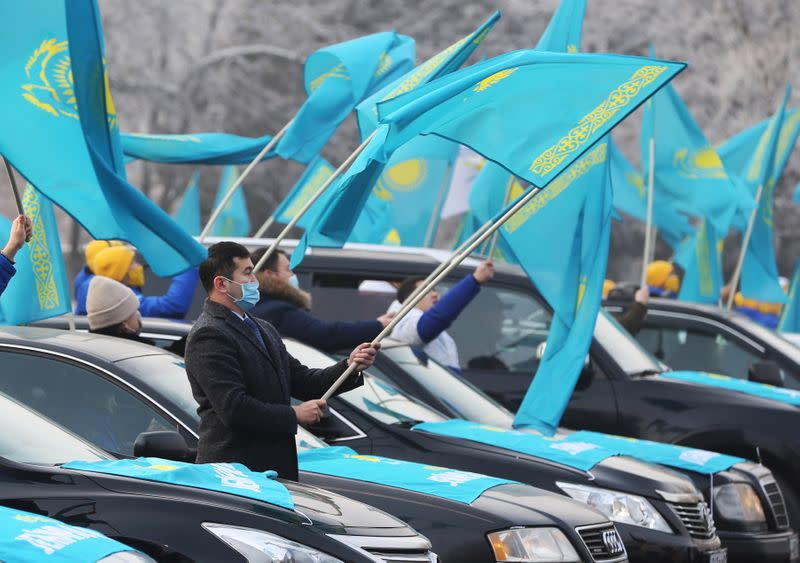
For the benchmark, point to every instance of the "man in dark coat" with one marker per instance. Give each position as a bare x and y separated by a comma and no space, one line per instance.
243,378
287,307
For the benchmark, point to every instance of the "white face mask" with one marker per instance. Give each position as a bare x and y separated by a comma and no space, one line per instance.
293,281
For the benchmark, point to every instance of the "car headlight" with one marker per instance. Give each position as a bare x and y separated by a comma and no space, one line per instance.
738,501
619,507
258,546
532,545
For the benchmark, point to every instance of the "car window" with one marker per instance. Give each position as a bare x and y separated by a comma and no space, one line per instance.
167,375
500,330
465,400
698,350
34,439
628,353
79,399
377,397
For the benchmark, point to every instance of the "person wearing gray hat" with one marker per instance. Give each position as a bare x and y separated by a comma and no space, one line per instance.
113,309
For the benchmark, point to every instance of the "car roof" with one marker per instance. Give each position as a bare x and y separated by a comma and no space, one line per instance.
374,252
88,345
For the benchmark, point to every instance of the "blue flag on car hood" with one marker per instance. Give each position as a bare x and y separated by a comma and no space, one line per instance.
30,538
459,486
232,478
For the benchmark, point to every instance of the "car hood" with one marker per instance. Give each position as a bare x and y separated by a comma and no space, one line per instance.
329,512
523,505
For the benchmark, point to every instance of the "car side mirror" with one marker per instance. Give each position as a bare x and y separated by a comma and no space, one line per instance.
163,444
766,372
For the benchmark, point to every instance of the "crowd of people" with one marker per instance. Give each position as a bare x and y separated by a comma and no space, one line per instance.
240,372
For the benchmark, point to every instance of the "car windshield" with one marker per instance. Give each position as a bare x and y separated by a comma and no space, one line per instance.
305,440
376,397
624,348
771,338
465,400
165,374
33,438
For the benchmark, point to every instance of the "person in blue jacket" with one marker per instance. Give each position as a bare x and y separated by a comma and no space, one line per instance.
426,324
21,232
287,307
119,263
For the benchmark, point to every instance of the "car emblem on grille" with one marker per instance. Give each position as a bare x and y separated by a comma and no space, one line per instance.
612,542
705,514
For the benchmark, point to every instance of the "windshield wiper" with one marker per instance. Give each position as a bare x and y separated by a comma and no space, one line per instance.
646,372
410,423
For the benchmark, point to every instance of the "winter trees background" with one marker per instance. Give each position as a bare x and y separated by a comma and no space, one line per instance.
236,66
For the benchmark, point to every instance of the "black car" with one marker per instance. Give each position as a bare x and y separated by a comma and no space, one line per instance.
755,536
620,391
669,500
110,390
178,523
688,336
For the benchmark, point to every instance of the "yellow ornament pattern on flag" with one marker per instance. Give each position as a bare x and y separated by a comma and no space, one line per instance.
490,81
579,135
41,259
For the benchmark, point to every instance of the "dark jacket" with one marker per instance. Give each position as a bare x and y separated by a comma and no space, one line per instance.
632,319
244,391
7,272
292,321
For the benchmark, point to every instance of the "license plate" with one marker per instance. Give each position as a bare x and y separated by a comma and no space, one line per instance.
719,556
794,548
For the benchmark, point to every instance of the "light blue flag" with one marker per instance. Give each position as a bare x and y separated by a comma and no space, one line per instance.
315,174
561,239
563,32
188,213
796,196
234,221
737,151
70,150
790,317
439,65
194,148
630,197
40,288
760,270
687,168
29,538
413,187
373,225
701,259
488,107
336,79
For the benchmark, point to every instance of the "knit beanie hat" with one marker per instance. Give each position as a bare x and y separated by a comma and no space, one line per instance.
109,302
113,262
96,246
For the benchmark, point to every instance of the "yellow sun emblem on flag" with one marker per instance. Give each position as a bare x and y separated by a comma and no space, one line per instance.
52,88
404,177
703,163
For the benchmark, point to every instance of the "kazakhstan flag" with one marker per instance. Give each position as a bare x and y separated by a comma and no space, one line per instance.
188,213
687,169
701,259
760,271
533,113
315,174
194,148
440,64
40,288
336,79
563,32
54,88
573,216
630,197
234,221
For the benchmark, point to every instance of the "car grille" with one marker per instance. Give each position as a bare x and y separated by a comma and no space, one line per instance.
697,519
773,492
603,542
392,549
